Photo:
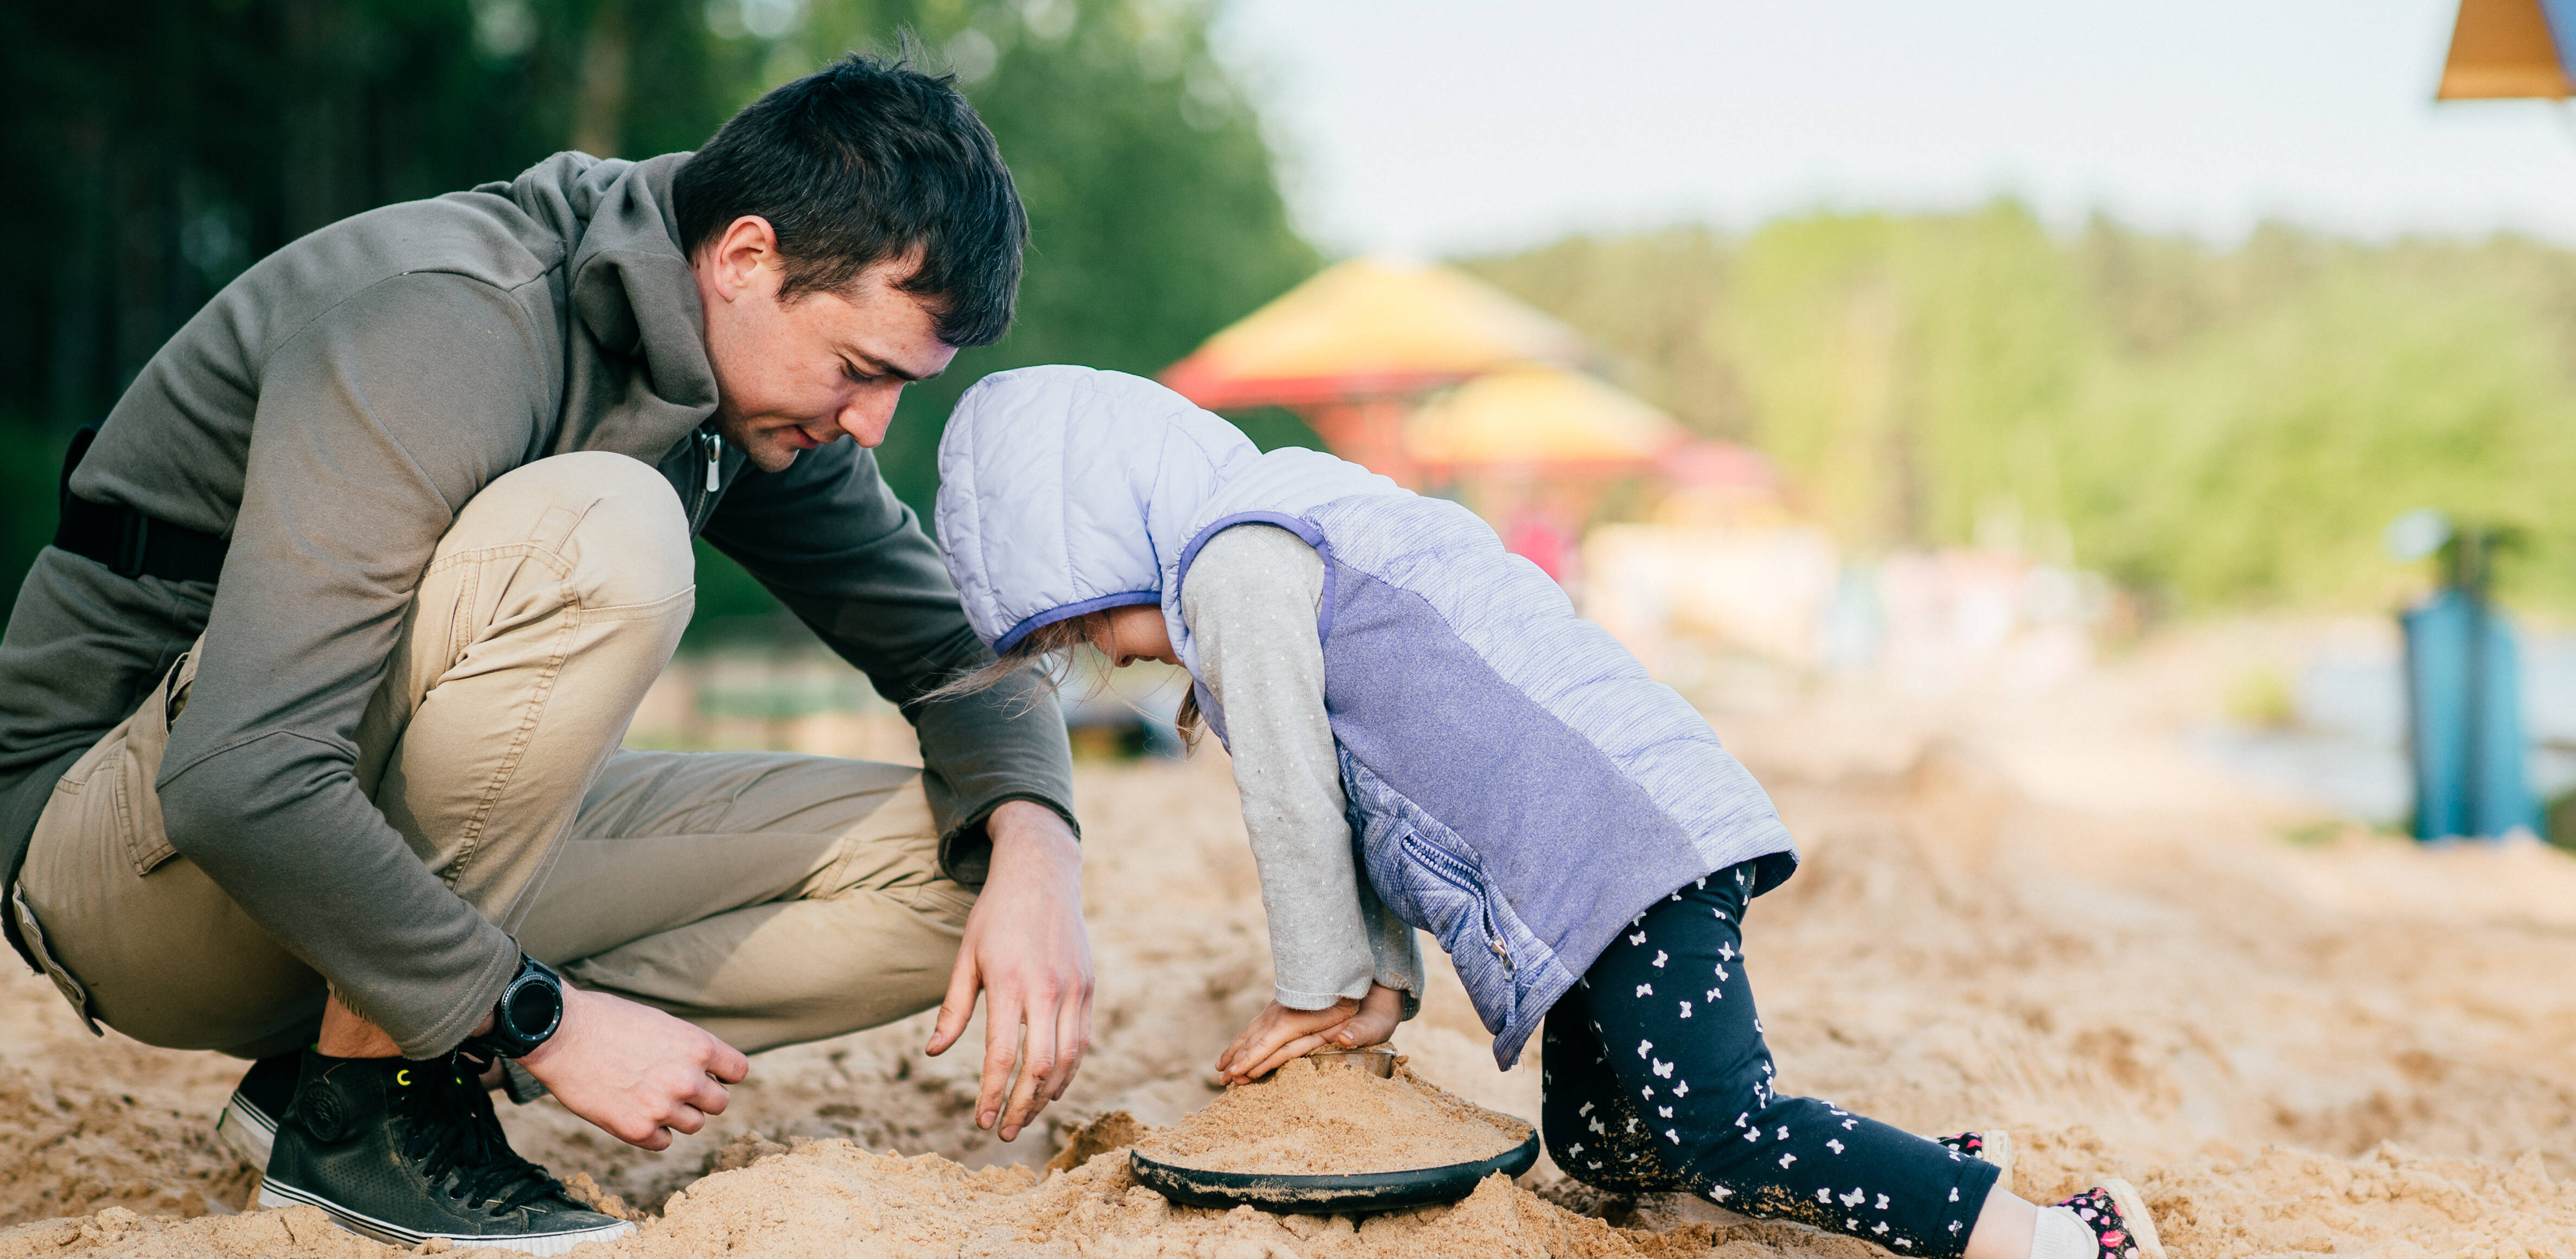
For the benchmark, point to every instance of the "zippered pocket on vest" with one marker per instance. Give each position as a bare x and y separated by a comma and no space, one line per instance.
1459,912
1450,870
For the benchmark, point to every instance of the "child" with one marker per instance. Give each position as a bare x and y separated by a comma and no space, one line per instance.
1426,736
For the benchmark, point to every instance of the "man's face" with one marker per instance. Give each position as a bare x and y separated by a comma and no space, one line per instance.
796,375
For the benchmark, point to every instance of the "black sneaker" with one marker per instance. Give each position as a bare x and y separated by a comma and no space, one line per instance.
249,1121
402,1151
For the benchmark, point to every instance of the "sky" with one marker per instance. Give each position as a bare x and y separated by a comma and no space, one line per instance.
1432,127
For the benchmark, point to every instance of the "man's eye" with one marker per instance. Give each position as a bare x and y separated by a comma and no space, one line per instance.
852,371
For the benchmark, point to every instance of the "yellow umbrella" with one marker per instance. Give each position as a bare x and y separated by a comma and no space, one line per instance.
1369,327
2506,48
1536,414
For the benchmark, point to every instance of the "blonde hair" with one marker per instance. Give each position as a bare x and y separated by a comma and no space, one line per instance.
1048,651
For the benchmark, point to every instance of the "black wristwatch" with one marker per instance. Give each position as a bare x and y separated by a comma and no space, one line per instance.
529,1011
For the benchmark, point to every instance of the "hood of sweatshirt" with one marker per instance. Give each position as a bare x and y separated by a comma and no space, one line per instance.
636,375
1064,490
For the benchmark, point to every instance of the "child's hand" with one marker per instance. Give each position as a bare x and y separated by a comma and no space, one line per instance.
1379,1012
1279,1033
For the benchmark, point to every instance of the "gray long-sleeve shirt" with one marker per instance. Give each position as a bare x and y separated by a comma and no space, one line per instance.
330,412
1252,598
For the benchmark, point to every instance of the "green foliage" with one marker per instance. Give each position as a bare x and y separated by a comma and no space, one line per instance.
2263,698
731,602
1273,427
1649,300
1154,215
163,146
30,475
2226,427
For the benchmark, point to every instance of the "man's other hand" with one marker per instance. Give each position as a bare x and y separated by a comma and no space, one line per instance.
1026,951
638,1073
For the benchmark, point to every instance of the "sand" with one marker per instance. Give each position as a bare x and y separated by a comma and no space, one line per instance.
2036,911
1310,1120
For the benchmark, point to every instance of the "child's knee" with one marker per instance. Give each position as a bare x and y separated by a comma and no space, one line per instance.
1608,1147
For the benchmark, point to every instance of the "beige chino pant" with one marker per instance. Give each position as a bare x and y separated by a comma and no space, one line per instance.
770,898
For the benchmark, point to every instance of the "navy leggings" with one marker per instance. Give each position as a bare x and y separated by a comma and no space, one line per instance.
1658,1082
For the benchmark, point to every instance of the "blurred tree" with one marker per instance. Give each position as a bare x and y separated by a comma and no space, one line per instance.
162,147
1154,214
2221,427
1651,298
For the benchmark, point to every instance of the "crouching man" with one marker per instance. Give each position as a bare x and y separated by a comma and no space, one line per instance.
310,719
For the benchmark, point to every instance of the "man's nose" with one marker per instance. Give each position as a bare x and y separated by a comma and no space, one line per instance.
869,415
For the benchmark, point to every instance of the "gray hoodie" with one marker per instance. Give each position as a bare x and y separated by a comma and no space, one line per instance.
331,411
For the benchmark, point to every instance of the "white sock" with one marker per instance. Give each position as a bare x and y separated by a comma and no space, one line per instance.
2059,1235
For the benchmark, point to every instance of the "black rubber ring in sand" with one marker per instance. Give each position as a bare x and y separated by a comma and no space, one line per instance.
1358,1193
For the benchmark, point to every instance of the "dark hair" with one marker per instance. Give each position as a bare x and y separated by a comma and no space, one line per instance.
865,160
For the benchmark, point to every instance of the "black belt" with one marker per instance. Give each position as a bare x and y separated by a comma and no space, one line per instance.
130,543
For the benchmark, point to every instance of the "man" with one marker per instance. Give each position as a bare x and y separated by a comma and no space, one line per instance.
309,723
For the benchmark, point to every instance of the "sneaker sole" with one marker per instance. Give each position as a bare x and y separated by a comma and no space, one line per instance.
2133,1212
248,1130
273,1195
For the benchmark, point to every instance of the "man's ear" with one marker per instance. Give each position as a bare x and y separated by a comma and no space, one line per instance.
732,262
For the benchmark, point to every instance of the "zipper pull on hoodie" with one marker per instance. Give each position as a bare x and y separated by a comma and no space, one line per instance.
714,444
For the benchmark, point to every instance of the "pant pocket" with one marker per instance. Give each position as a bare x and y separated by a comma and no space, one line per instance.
33,933
944,899
138,811
138,765
107,798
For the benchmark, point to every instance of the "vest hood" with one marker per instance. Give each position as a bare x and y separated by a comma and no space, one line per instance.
1064,490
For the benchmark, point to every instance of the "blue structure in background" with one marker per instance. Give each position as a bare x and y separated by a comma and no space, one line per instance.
2464,707
2464,703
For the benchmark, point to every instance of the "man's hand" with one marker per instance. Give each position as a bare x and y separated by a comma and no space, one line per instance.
1278,1033
1025,949
638,1073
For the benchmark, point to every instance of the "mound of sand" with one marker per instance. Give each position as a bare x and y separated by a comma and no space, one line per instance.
2046,918
831,1198
1310,1120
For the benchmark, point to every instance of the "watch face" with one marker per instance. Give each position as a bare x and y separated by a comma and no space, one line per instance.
532,1008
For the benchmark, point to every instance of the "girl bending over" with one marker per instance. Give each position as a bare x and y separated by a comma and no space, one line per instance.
1425,735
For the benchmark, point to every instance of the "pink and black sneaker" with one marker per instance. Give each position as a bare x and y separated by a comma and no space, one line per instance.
2118,1218
1993,1145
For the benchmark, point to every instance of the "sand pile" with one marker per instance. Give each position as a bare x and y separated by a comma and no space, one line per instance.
853,1202
2039,915
1313,1120
831,1198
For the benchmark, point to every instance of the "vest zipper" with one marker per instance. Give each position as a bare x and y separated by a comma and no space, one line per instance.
1436,862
